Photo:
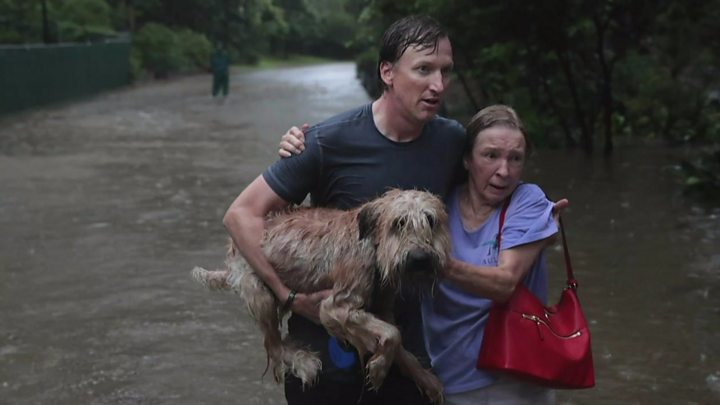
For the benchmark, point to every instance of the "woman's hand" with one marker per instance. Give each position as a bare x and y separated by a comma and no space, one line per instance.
559,206
293,141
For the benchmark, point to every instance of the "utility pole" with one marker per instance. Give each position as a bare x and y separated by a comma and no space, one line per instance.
130,10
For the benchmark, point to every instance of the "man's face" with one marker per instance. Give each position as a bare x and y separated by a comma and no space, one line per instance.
416,82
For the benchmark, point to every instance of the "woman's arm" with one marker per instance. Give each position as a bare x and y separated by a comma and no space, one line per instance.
497,283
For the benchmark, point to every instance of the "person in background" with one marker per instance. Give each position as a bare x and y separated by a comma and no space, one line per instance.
220,65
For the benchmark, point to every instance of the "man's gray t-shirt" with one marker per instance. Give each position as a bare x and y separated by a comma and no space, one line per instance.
347,162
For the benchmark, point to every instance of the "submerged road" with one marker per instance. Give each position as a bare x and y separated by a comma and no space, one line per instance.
108,203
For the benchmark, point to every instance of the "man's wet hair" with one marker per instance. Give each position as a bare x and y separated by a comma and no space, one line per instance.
419,31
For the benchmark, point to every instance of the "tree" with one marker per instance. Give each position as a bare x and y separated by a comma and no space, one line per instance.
81,20
575,68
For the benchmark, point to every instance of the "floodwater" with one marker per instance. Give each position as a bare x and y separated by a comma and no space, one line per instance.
107,204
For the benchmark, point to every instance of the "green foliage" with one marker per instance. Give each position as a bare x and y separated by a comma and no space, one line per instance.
20,22
137,72
317,27
582,73
366,65
702,175
162,51
159,50
195,48
82,20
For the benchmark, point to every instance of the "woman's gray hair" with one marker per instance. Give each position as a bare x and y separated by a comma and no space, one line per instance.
497,115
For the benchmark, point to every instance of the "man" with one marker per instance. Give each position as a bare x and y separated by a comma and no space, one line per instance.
396,141
220,64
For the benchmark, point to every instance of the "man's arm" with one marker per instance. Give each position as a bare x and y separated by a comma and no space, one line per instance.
245,222
497,283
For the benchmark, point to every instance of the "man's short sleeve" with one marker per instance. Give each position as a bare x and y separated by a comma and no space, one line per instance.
529,217
292,178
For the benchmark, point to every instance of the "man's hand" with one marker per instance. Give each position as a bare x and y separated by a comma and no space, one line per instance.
308,305
293,141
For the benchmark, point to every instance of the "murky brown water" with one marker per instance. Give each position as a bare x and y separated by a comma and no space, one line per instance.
106,205
648,262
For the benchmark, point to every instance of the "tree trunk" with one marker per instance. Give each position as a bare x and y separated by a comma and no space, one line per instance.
550,97
569,140
606,97
464,79
467,89
586,134
45,23
130,9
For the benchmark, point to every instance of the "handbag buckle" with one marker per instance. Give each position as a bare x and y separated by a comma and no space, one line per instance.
539,321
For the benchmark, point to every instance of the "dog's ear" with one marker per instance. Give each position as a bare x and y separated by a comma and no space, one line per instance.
367,220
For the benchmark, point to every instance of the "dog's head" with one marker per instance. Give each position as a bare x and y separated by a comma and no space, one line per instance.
409,231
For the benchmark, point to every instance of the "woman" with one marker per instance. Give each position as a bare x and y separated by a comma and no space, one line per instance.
454,317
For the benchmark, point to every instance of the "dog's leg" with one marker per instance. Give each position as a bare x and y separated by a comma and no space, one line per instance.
283,355
303,364
262,306
343,316
213,280
408,364
425,380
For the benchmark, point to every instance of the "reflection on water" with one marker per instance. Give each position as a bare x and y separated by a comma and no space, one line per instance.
107,205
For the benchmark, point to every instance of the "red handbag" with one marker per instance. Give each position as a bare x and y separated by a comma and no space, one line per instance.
547,345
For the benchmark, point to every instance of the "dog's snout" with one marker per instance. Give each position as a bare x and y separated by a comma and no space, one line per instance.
419,260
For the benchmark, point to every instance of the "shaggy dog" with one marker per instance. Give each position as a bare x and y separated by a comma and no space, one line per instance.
364,255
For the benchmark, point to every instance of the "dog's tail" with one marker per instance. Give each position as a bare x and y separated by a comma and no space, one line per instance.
213,280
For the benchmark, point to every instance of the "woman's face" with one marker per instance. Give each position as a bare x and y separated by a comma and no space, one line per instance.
495,163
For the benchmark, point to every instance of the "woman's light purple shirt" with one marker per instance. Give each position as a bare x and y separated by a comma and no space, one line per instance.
454,320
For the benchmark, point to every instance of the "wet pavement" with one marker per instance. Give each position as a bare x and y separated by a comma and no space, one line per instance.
107,204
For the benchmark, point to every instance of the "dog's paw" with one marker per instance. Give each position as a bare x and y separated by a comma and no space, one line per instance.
431,386
306,366
377,369
278,372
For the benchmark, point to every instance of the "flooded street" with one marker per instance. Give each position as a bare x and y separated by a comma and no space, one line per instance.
648,265
107,204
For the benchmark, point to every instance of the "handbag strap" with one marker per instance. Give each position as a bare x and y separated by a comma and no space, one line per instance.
571,281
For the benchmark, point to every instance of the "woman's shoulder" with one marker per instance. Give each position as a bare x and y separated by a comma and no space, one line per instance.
529,191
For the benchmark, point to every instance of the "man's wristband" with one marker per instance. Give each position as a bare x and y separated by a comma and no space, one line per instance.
288,303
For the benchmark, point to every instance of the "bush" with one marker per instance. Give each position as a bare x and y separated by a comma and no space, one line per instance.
366,70
196,50
137,72
84,20
162,51
159,50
